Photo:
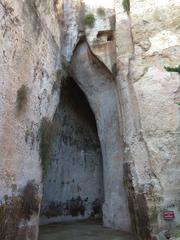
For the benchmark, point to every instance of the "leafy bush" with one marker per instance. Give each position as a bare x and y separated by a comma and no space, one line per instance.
173,69
21,99
126,5
89,20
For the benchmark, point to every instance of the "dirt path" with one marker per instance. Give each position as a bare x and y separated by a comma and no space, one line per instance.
80,231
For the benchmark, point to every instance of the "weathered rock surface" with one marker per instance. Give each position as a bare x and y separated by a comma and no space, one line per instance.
150,94
157,93
73,186
137,114
30,56
101,93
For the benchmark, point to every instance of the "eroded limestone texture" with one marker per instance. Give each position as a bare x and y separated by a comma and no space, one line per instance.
30,37
73,185
97,83
144,124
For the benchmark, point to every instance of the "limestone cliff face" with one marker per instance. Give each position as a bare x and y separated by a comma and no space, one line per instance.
150,95
156,44
30,56
126,54
30,38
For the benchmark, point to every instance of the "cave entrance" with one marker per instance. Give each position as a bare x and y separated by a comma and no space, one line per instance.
78,182
73,185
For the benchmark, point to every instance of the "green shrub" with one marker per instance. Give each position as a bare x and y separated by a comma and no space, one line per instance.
173,69
126,5
21,99
89,20
178,103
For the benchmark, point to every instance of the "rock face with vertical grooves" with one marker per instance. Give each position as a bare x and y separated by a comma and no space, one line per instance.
101,94
30,39
73,185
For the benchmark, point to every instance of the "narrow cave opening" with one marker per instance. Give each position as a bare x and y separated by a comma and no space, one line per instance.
73,185
86,170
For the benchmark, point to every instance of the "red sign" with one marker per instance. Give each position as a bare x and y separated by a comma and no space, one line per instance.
168,215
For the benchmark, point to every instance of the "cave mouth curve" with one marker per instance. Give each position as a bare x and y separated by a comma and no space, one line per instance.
86,175
96,81
73,185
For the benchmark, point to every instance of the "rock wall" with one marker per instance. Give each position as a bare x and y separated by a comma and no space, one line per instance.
147,39
30,39
96,82
156,44
36,36
73,185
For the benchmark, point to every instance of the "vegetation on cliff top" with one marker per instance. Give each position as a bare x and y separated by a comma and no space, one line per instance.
126,5
89,20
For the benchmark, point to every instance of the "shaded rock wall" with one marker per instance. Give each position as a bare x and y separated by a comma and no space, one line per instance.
73,185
